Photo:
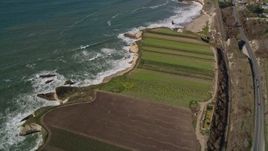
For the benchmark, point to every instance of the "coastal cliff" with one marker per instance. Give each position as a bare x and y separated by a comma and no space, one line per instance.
217,134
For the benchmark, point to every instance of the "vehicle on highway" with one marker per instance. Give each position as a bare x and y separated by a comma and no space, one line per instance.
257,83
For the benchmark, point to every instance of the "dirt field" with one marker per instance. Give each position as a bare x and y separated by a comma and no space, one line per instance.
121,121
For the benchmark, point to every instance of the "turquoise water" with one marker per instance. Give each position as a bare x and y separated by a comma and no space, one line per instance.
75,39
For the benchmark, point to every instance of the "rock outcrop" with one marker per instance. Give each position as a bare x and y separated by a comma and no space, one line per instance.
48,96
49,81
30,129
26,118
134,48
134,36
47,75
69,82
64,92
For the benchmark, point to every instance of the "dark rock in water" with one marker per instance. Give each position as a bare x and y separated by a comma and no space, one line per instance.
48,81
30,129
47,96
26,118
129,35
69,82
47,75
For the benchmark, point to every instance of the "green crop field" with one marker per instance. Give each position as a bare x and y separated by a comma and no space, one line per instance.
68,141
174,38
177,52
161,87
186,62
188,47
175,69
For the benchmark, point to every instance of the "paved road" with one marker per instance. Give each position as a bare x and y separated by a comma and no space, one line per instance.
258,140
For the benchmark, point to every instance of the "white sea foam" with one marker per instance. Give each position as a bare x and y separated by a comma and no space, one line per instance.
108,51
9,131
138,9
115,16
39,142
152,7
39,84
116,66
109,23
95,57
182,16
30,66
84,47
86,56
26,104
7,80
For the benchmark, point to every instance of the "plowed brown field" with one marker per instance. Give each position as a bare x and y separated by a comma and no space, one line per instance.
122,121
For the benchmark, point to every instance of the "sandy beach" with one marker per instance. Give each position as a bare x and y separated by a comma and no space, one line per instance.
199,23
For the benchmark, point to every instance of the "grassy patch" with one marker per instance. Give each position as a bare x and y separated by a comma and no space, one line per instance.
67,141
191,64
176,69
161,87
166,31
174,38
37,115
162,43
205,30
178,52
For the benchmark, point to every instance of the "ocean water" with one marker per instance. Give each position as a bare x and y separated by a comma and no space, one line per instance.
81,40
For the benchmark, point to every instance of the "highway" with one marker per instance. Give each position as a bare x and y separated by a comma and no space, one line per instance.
258,137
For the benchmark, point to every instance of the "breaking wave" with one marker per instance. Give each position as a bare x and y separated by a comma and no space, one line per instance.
182,16
160,5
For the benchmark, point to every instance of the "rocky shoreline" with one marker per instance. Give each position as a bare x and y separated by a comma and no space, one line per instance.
29,128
